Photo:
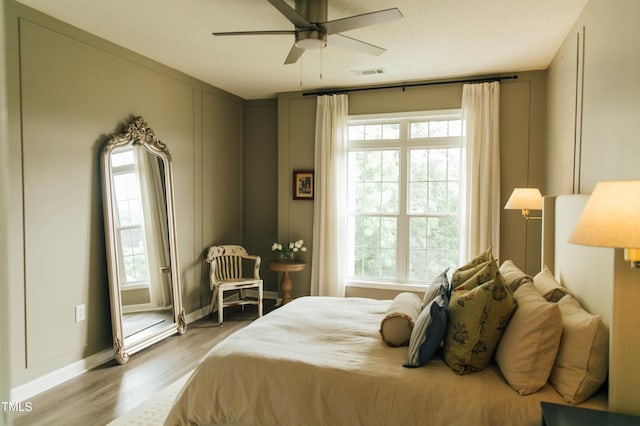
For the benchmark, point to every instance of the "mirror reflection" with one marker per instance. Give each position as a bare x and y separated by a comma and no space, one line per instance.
145,296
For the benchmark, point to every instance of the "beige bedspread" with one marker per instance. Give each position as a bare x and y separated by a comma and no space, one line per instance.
321,361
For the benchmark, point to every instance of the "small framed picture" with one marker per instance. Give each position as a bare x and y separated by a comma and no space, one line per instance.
303,184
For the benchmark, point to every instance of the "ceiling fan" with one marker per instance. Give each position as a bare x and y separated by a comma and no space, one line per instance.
312,28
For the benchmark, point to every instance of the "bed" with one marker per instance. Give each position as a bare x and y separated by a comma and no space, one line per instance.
320,360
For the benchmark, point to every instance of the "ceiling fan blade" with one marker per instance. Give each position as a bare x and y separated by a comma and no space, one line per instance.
291,14
354,44
294,55
359,21
234,33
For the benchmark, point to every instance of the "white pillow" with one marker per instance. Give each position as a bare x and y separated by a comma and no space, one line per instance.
583,357
548,286
529,345
398,322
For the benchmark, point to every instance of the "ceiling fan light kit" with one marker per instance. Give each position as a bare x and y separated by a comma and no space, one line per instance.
312,28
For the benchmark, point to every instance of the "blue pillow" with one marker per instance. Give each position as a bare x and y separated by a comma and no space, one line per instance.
429,330
434,288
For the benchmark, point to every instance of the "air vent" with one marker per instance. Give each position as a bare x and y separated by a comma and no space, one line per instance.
369,71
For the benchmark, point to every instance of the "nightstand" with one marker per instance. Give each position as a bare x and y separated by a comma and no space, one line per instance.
568,415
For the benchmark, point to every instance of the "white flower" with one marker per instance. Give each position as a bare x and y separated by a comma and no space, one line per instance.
297,244
303,248
279,246
295,249
291,245
274,247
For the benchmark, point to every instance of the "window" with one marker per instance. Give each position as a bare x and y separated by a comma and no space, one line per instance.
129,220
404,196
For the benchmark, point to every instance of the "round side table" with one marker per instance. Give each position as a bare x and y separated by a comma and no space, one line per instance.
285,267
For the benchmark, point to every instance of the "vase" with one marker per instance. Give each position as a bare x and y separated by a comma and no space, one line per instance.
287,257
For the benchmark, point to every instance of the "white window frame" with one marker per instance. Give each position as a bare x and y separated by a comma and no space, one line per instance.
404,144
140,284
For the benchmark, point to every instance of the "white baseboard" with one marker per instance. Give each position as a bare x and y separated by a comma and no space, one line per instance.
61,375
49,380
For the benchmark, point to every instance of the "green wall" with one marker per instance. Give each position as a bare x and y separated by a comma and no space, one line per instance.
67,92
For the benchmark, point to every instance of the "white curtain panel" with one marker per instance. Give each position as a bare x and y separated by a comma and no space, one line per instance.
330,205
480,224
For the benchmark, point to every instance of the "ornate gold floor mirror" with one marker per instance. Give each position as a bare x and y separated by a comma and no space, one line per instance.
142,253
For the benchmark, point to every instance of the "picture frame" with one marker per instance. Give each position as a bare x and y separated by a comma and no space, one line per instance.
303,184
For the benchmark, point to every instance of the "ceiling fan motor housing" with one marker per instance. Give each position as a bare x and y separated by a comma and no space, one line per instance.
311,39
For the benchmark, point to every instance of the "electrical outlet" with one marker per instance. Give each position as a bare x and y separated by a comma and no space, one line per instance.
80,313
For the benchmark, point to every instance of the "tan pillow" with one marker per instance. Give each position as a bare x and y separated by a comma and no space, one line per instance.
513,276
548,287
398,322
529,345
583,357
477,319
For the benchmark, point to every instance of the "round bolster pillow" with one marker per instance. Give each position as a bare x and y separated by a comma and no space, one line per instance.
397,324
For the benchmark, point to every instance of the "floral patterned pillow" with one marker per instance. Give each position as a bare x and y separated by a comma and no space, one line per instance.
474,268
478,315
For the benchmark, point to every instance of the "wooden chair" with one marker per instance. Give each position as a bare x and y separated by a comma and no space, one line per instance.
225,274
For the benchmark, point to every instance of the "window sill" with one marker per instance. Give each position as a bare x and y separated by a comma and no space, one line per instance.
387,286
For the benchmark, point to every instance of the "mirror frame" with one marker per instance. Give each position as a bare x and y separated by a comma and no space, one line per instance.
138,132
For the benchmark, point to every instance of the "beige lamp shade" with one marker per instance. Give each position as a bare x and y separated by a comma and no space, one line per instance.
611,217
524,199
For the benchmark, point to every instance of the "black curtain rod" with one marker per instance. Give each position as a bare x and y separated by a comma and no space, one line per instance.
404,86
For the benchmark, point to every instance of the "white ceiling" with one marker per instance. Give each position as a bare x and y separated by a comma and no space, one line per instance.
435,39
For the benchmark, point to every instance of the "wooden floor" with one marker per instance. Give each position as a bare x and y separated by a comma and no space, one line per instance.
110,390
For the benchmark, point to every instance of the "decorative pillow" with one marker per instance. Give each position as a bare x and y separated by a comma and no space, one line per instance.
429,330
397,324
477,319
434,288
463,273
513,276
529,345
583,357
547,285
476,275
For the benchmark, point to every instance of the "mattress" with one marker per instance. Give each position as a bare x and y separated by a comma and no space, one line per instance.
321,360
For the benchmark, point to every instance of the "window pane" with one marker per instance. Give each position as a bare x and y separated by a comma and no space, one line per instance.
373,165
437,199
123,158
390,166
420,130
437,164
372,197
455,128
418,197
356,133
453,163
418,165
388,233
453,197
373,132
389,198
371,262
433,248
437,129
387,263
418,232
391,131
